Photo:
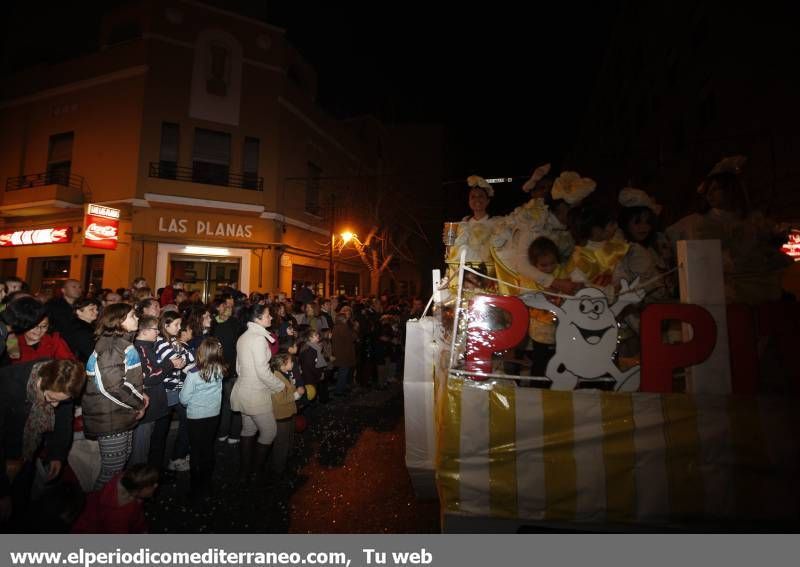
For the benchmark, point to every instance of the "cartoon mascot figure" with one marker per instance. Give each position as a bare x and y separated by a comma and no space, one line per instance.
586,337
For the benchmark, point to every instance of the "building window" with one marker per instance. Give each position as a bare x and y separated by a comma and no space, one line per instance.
312,188
218,70
211,157
168,155
59,158
250,154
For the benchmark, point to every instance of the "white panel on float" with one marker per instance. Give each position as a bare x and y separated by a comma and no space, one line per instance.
702,283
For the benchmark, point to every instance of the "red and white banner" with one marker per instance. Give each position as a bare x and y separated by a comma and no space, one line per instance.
56,235
101,227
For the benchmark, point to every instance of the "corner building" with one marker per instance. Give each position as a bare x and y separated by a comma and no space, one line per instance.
200,126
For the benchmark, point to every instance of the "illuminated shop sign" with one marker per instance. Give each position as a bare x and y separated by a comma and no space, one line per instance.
105,212
56,235
792,246
205,228
101,227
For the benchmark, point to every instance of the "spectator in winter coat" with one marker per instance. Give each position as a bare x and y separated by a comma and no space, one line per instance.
30,324
34,411
344,353
114,400
80,337
227,330
254,386
59,310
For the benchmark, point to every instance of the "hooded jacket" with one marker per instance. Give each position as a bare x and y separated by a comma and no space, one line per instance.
114,386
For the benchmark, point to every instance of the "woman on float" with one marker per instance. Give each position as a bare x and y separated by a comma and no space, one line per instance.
752,262
474,235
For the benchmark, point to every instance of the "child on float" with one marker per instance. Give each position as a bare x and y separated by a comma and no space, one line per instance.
543,255
566,192
202,395
648,257
285,408
600,247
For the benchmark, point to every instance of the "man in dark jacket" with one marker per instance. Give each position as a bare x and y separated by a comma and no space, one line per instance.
59,310
305,294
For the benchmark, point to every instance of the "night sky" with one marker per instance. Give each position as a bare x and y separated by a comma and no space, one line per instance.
509,84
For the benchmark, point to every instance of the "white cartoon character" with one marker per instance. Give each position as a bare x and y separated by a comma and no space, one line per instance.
586,336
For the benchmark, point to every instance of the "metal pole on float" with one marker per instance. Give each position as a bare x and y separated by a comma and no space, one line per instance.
461,261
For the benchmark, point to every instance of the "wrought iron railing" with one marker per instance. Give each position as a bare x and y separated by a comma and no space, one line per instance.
47,178
210,174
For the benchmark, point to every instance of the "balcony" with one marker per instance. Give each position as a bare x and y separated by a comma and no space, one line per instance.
42,193
207,174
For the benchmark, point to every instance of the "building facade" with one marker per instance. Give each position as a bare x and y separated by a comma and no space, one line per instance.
200,126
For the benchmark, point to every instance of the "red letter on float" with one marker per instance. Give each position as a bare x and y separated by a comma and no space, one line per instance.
660,359
482,341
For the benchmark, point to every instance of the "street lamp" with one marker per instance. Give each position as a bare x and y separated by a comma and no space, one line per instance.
347,236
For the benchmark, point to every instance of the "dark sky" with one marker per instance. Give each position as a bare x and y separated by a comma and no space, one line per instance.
508,81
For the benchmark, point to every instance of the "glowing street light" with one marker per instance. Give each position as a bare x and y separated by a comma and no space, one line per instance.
347,236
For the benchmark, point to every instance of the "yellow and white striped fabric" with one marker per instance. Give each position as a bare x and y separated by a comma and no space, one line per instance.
615,458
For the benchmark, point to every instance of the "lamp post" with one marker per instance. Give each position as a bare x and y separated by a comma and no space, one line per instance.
331,272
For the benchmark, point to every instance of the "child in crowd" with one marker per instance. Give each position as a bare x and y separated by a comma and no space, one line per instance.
285,408
202,396
543,255
153,375
649,256
119,507
169,348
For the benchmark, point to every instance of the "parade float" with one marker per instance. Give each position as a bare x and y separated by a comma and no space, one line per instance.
698,433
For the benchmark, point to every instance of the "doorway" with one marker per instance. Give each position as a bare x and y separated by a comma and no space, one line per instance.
205,274
48,273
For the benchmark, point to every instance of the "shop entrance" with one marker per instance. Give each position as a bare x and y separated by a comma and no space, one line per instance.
302,274
93,273
347,283
206,274
48,273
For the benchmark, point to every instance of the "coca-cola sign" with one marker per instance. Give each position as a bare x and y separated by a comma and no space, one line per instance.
101,227
56,235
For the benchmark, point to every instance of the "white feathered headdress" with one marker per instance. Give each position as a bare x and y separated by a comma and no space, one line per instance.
572,188
631,197
538,173
478,181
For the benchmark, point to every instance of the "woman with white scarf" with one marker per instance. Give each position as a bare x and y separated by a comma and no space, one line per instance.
252,393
